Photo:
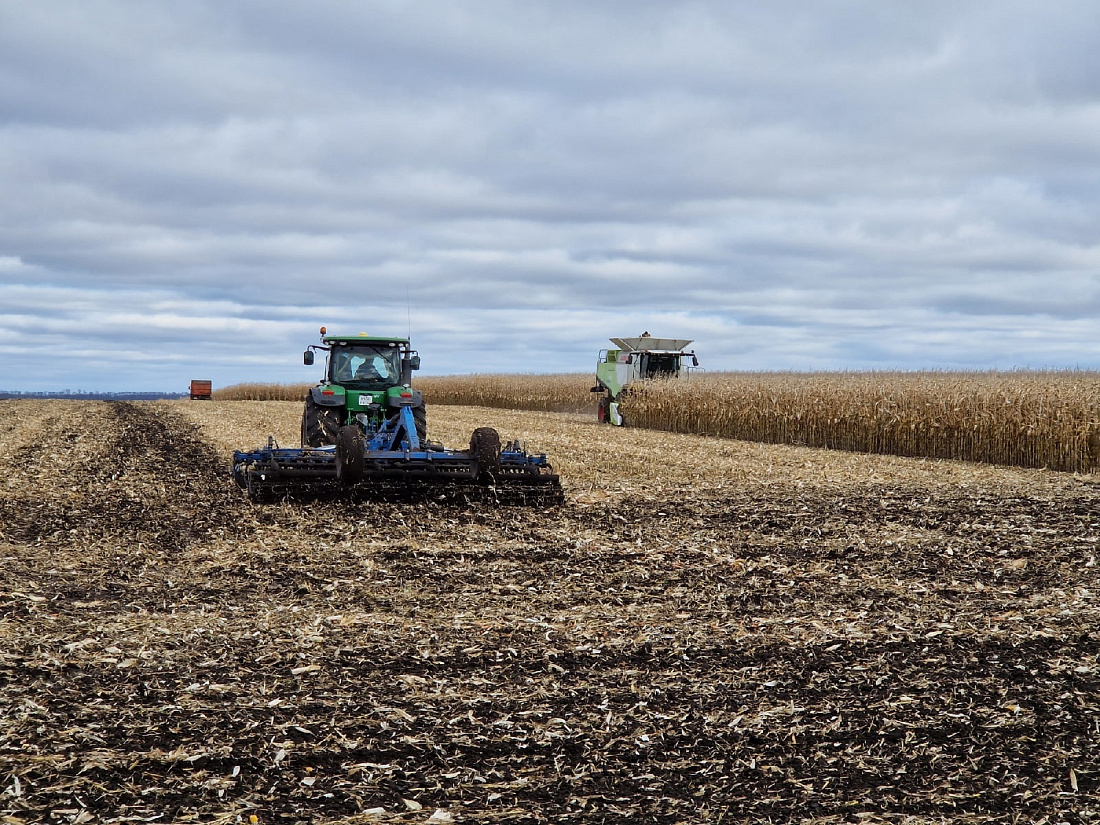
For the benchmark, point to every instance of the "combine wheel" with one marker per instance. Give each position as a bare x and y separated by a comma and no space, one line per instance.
319,424
485,445
351,458
601,410
420,416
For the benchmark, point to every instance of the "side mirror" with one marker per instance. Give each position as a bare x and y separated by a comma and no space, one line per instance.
414,362
694,360
307,358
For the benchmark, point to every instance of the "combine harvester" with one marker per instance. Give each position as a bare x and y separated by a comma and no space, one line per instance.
364,430
636,359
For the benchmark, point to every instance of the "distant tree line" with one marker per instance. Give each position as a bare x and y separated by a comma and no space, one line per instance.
83,395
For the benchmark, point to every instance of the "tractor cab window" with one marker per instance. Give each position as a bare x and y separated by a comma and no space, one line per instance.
366,367
657,365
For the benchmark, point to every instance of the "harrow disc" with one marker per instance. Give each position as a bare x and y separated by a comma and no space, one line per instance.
487,472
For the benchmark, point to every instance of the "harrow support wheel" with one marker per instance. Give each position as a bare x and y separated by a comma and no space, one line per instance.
351,461
485,446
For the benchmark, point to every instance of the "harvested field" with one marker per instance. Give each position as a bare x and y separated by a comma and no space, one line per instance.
708,630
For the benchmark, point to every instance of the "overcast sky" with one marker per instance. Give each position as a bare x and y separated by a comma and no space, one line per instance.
192,189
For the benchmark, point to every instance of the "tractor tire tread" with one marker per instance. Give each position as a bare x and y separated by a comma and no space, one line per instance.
320,425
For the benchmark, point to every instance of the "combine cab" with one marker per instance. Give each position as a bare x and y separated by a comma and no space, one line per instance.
636,359
364,429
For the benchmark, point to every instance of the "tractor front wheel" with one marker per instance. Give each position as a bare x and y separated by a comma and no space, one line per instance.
351,459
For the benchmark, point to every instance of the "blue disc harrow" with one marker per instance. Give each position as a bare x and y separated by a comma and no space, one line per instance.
392,462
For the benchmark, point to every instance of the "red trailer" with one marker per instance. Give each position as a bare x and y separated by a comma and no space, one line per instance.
200,390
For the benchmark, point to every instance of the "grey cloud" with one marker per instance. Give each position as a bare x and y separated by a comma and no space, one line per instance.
849,184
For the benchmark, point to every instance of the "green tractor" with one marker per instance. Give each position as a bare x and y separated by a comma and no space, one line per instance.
366,380
636,359
364,429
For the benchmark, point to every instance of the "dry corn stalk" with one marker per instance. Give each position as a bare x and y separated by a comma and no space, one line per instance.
561,392
1028,419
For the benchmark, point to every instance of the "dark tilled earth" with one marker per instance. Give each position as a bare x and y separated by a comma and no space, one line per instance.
880,651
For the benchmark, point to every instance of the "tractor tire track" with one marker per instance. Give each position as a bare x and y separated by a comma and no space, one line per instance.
146,475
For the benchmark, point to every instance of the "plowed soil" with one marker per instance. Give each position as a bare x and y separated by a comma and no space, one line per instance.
705,631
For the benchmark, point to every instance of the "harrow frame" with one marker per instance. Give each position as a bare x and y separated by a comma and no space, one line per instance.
394,461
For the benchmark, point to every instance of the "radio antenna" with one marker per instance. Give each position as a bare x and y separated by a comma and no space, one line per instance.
408,309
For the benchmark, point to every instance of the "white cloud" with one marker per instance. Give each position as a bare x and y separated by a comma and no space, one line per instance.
848,186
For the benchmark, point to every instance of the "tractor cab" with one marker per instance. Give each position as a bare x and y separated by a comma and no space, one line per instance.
364,362
364,367
367,380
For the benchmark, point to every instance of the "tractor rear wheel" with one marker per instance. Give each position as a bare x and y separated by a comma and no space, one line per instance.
319,424
351,460
485,445
420,416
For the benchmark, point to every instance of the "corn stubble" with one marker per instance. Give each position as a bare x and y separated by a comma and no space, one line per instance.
707,630
1026,419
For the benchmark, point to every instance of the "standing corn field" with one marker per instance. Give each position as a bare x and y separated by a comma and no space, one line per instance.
1028,419
557,392
1021,418
262,392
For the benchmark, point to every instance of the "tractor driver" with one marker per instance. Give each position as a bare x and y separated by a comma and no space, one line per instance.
367,372
375,368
